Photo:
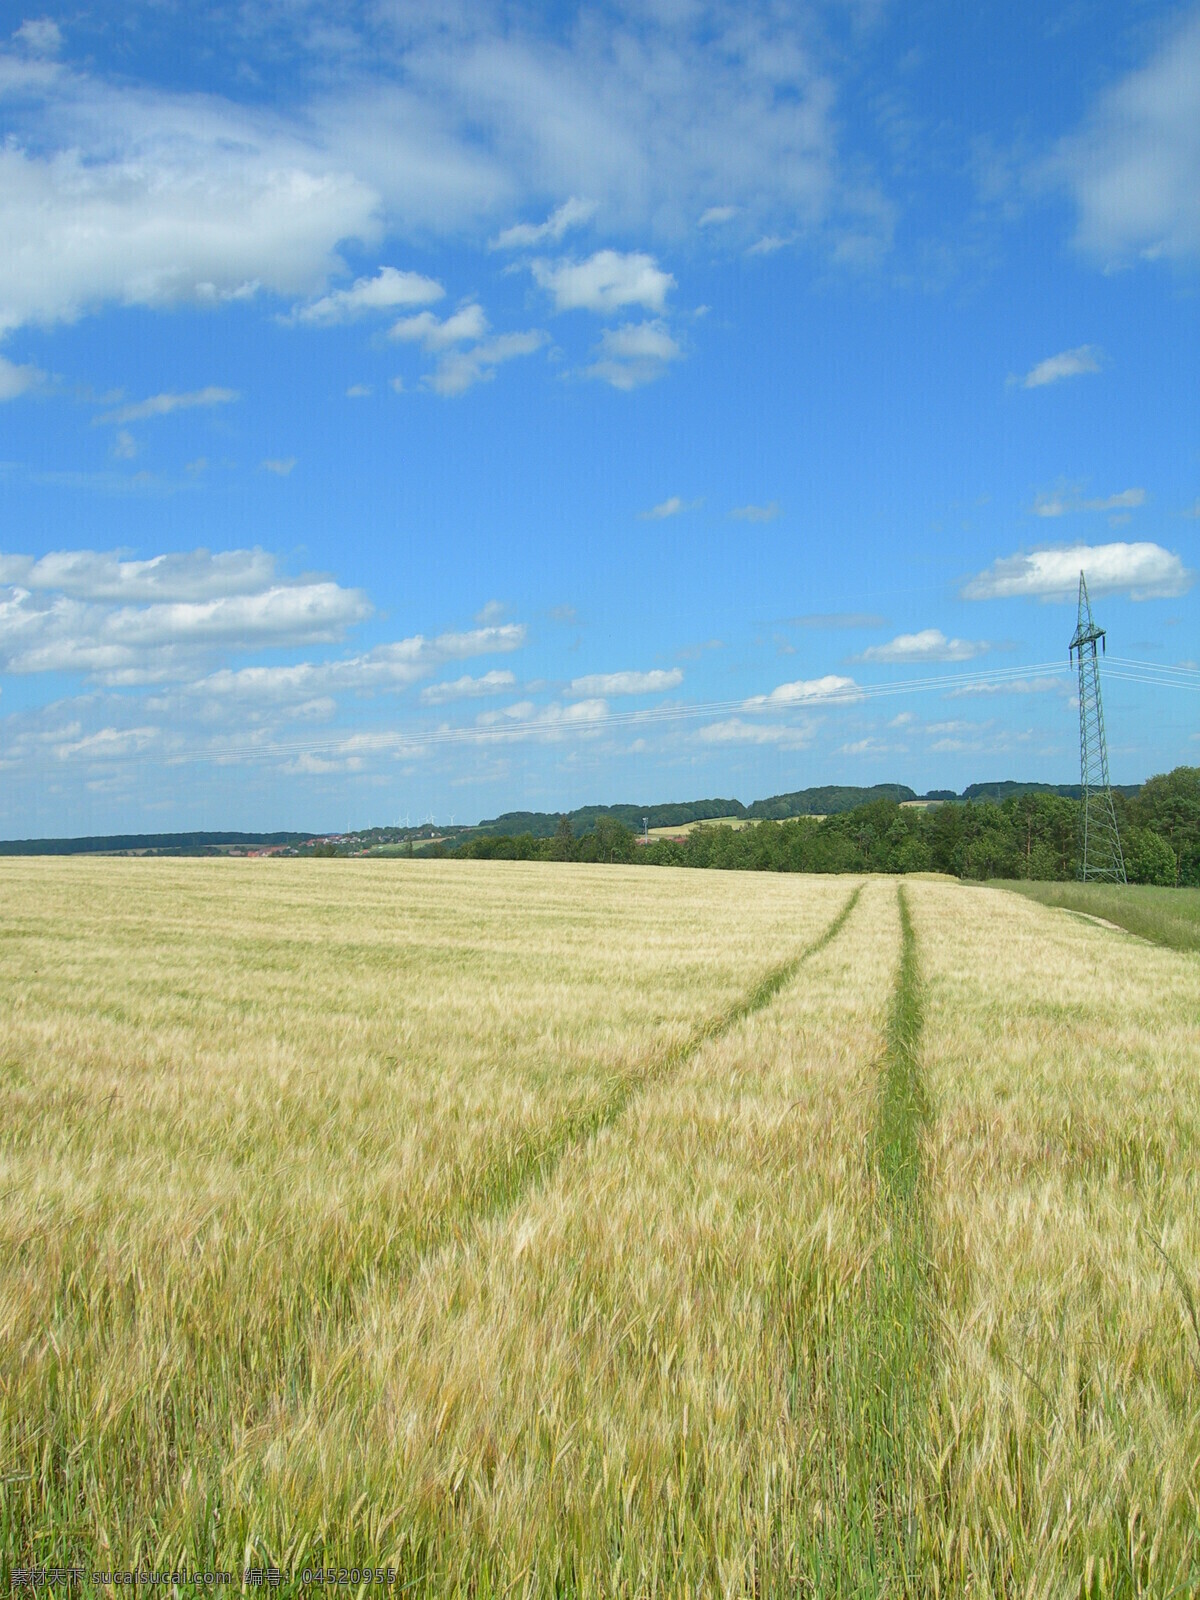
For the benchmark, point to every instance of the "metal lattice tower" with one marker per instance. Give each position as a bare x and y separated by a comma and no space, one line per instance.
1100,855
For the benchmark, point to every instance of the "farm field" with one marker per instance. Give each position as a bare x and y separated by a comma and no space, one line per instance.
1168,916
539,1229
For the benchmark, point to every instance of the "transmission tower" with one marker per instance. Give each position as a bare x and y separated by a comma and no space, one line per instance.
1100,856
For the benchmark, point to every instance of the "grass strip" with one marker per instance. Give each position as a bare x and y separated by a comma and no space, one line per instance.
499,1189
882,1345
1169,917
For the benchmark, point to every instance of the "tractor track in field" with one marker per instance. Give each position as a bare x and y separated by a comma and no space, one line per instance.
886,1346
499,1191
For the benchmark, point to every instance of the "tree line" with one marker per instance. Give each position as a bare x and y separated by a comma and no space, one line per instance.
1028,835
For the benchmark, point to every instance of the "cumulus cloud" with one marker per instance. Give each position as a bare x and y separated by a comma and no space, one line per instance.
107,576
528,235
151,199
107,744
438,123
734,731
1134,168
1059,502
385,668
805,691
766,513
930,644
1143,571
715,215
280,466
129,645
605,683
432,333
161,405
460,370
1067,364
606,282
466,687
388,289
126,622
524,720
634,354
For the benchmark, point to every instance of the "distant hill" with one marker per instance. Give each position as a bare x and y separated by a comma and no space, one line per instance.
828,801
160,843
802,803
1008,788
824,801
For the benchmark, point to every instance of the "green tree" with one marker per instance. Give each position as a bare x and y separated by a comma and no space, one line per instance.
1148,857
1169,805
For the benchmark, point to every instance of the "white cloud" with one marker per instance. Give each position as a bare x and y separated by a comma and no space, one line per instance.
160,405
125,446
1134,169
40,36
105,576
1067,364
358,391
16,380
606,282
1019,686
715,215
466,687
388,289
385,668
129,645
438,123
459,370
930,644
671,507
128,622
468,322
766,513
526,721
527,235
734,731
634,354
1143,571
132,197
604,683
108,744
280,466
1059,502
805,691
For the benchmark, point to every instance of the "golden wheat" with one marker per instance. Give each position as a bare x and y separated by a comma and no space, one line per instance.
598,1231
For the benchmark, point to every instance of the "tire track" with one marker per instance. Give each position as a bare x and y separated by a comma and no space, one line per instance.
502,1188
885,1347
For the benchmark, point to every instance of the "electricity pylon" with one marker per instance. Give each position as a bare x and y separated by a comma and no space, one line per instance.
1100,856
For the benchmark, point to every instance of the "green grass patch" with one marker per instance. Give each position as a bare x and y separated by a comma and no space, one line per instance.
1165,916
884,1352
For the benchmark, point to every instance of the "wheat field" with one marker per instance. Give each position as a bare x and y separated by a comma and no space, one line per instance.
531,1230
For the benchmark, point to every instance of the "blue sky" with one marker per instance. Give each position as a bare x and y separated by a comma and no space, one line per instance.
412,409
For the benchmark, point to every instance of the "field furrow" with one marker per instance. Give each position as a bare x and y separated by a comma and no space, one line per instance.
542,1230
237,1102
623,1386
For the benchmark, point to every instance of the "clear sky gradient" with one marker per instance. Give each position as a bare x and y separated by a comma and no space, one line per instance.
413,409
